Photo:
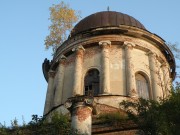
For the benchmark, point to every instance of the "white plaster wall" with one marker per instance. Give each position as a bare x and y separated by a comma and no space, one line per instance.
141,61
68,78
117,68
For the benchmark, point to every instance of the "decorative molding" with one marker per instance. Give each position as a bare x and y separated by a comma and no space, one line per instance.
62,59
151,53
77,101
129,44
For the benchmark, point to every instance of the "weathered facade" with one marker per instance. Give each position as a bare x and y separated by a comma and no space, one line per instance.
111,57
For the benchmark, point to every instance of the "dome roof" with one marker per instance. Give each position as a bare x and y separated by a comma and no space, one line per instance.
105,19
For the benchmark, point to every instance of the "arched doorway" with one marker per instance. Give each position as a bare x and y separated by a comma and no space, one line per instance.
91,83
142,86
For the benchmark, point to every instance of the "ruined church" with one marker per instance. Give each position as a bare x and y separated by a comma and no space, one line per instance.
108,57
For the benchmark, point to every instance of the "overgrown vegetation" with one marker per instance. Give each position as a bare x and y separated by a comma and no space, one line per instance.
59,125
156,117
112,118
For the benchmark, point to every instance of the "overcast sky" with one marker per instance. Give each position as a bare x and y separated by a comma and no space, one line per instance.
23,28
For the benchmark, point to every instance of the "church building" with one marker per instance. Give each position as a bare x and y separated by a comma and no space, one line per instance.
108,57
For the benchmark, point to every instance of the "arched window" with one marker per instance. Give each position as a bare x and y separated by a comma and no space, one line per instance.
142,86
91,83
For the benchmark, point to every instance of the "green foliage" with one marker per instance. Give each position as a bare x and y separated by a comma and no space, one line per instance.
59,125
156,117
14,123
3,129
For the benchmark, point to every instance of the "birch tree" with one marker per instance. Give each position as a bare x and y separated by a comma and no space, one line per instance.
62,19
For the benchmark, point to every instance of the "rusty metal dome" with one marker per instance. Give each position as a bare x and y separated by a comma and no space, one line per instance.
105,19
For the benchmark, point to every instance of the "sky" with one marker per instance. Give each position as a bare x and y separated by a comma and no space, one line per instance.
23,28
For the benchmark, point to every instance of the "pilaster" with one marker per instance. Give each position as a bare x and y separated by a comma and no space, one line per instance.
77,85
105,87
166,78
154,74
59,88
49,93
129,66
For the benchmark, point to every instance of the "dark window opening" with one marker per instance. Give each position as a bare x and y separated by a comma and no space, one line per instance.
91,83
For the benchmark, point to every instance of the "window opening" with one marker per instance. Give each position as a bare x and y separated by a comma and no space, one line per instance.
142,86
91,83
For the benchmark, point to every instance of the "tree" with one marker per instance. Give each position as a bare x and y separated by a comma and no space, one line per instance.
62,20
174,47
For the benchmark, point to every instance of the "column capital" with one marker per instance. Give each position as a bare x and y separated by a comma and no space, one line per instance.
80,47
77,101
128,44
151,53
105,43
51,73
62,59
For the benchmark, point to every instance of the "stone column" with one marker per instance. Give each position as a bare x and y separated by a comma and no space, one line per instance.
154,74
105,85
81,114
81,119
129,67
59,88
49,93
77,84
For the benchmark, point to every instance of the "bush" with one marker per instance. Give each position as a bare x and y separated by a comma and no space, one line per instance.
156,117
59,125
